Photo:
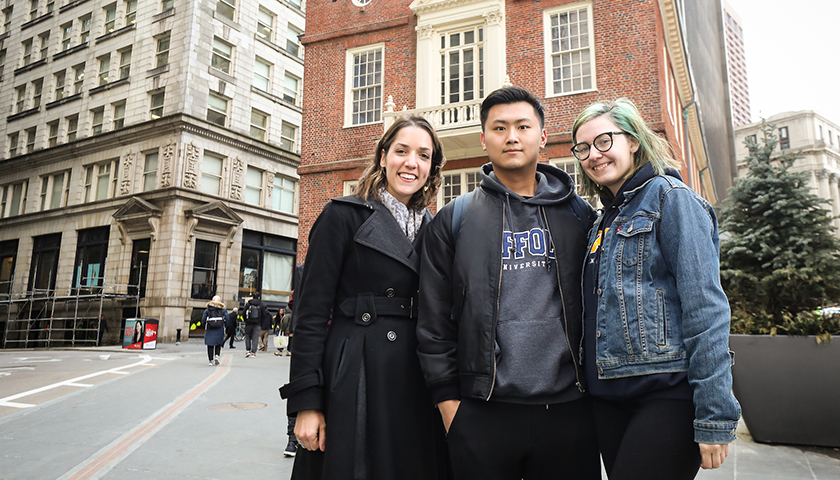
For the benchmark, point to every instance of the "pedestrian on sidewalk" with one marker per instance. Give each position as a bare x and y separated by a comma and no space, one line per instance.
255,311
362,406
266,327
215,318
656,319
283,320
230,328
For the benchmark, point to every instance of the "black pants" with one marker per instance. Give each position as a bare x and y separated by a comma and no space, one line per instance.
213,351
230,336
651,440
507,441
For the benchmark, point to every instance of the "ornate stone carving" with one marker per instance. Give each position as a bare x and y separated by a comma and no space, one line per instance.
269,181
125,181
493,18
191,170
166,166
154,223
425,31
236,185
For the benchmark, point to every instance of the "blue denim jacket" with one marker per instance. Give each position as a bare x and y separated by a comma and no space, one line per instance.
661,306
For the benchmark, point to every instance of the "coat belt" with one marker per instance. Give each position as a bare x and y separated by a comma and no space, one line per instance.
366,307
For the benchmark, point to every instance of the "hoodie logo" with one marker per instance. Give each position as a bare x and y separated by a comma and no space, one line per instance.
523,244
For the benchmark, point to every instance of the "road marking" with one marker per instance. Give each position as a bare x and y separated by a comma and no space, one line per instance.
78,384
103,461
7,401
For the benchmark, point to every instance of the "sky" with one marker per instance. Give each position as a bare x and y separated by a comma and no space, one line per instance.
792,56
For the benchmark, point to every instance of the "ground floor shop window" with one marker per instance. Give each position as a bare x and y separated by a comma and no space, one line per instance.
91,251
267,265
139,266
8,254
44,262
204,269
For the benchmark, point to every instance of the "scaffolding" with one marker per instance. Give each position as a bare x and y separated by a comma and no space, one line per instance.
43,318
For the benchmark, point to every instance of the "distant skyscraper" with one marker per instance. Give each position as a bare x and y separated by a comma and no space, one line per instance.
739,90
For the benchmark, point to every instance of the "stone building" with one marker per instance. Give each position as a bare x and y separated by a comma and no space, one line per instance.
815,139
369,61
148,161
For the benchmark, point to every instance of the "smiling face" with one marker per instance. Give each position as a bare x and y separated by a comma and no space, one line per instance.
407,162
611,168
513,138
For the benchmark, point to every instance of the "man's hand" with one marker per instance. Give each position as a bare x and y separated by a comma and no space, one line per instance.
712,456
448,408
310,429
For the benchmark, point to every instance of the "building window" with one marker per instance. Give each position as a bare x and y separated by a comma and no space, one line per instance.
570,53
60,78
296,3
66,35
2,62
27,52
462,66
125,63
20,95
13,144
33,9
150,167
37,90
290,90
8,255
293,45
7,19
262,74
288,137
156,110
78,78
259,124
784,138
89,267
253,186
84,34
265,24
44,44
364,73
139,266
53,136
55,189
226,8
349,187
30,139
267,266
222,54
569,166
167,5
217,110
44,267
13,199
130,12
104,68
98,115
119,114
72,127
204,269
162,55
110,17
101,180
211,174
285,190
456,183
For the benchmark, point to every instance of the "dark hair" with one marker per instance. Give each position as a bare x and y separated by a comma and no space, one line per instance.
508,95
374,178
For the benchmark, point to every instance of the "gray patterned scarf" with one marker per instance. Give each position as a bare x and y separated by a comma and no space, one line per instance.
409,220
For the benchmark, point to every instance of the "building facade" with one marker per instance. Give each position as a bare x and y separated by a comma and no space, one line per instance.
148,161
369,61
815,139
739,89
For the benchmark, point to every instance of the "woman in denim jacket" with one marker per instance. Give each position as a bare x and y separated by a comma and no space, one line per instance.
656,320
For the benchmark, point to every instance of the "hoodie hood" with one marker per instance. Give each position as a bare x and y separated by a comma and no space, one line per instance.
553,185
211,303
639,179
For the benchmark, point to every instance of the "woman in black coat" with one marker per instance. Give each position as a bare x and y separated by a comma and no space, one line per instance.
214,338
363,410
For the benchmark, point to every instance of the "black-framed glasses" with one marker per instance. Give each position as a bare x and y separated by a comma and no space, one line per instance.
602,143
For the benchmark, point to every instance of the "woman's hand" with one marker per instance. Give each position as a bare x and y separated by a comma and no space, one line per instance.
310,429
448,409
712,456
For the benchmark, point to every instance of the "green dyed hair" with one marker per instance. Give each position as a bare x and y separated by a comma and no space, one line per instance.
623,113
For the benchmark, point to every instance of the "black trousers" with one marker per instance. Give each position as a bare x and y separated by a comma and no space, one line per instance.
508,441
213,351
653,440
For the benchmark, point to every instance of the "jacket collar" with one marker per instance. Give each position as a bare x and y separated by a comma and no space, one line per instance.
382,233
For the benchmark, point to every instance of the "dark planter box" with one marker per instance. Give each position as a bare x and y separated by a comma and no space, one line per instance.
789,388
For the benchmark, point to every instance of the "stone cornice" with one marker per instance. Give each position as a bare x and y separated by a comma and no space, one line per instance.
356,30
348,164
676,50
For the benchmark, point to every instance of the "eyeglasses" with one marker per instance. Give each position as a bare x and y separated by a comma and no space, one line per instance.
602,143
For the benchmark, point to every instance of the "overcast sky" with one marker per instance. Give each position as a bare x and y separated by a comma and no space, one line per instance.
792,56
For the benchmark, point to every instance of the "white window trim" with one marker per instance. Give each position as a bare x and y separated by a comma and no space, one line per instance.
549,78
462,172
350,187
295,194
46,197
89,191
562,162
348,83
250,187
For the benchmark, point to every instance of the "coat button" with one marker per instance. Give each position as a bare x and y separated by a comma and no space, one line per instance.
392,335
599,292
365,317
390,292
598,334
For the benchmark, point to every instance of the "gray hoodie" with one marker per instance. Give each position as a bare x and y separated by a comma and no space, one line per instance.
533,361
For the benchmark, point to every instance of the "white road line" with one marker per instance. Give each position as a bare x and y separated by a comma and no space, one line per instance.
78,384
15,405
73,381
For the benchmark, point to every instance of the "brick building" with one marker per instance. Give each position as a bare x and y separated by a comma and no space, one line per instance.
369,61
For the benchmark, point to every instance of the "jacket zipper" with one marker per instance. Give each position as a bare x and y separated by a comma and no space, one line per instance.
496,313
563,304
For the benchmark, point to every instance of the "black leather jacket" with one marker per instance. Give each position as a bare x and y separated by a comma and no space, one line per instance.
459,294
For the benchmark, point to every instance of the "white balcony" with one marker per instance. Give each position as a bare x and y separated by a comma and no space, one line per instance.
457,124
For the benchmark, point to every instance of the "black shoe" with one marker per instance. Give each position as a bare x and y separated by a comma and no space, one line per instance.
232,346
291,449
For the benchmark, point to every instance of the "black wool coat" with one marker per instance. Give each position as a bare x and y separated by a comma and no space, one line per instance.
355,354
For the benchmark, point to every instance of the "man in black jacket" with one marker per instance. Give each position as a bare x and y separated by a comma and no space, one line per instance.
255,313
499,326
